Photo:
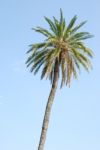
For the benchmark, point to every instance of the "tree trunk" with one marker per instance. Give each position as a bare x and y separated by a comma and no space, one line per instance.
48,108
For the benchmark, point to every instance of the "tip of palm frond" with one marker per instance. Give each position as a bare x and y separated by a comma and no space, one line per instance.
88,36
85,21
33,29
29,49
60,10
27,65
61,86
91,36
31,70
68,84
47,19
61,13
92,54
74,18
26,62
42,77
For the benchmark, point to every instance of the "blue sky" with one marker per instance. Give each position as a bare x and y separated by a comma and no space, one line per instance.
75,119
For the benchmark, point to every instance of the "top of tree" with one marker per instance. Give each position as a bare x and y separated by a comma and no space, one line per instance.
64,43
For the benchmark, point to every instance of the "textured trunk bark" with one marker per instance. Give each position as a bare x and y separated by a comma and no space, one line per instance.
48,108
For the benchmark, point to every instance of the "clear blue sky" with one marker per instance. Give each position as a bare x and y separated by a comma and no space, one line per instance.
75,120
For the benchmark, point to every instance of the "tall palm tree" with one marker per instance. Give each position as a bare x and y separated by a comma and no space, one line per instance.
61,53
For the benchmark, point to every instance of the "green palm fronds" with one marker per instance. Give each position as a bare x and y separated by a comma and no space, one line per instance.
63,43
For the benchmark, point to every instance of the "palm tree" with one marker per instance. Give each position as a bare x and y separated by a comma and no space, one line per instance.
61,53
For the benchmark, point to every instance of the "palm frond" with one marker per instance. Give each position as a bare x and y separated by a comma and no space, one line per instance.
77,27
43,31
87,50
72,22
79,36
61,16
84,61
52,25
36,46
64,71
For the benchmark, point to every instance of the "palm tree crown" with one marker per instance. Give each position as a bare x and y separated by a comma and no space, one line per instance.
63,44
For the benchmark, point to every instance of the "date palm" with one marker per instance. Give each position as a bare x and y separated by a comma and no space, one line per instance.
62,53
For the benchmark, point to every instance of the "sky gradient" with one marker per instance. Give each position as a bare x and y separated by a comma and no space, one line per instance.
75,118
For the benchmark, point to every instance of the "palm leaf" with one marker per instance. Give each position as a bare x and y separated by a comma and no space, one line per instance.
43,31
72,22
77,27
51,24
